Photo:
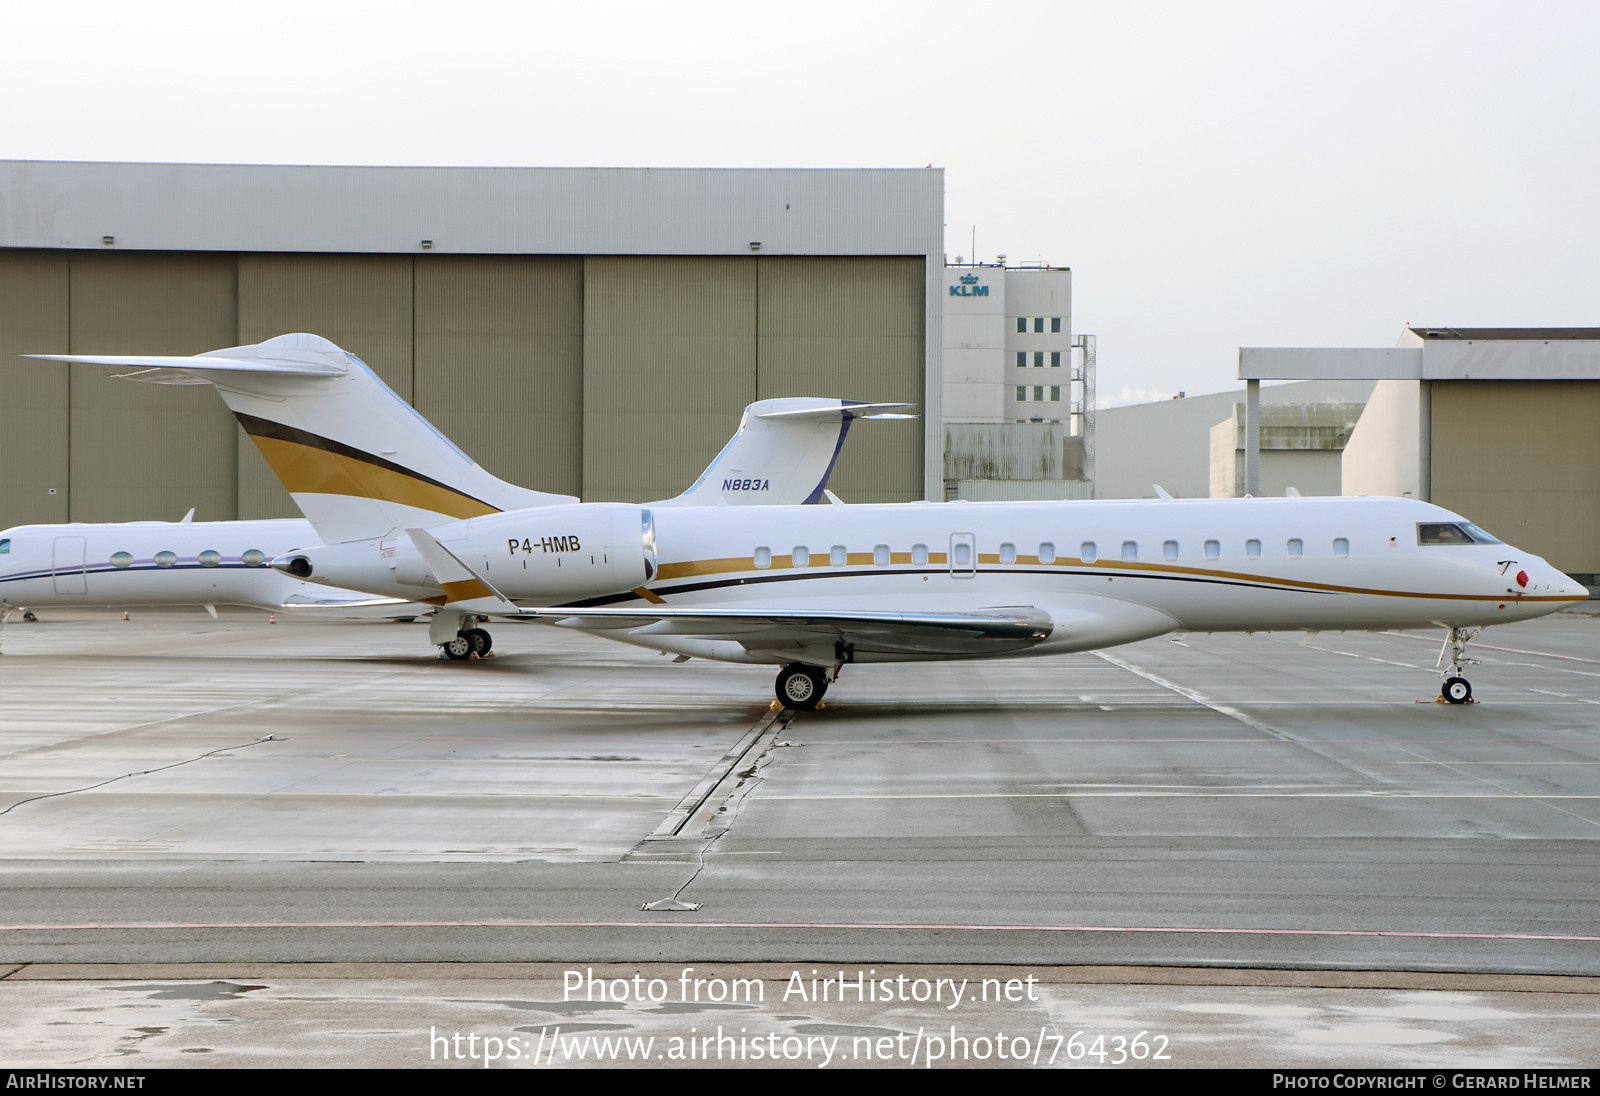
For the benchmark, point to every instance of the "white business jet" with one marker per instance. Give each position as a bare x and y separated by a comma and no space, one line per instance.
783,452
810,589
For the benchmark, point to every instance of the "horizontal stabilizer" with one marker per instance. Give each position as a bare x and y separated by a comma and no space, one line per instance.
845,410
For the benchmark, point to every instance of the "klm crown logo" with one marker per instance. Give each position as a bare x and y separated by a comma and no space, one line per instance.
969,279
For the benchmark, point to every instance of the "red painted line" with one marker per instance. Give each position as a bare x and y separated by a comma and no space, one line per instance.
1123,929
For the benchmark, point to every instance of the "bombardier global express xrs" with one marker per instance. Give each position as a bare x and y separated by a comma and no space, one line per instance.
811,589
794,442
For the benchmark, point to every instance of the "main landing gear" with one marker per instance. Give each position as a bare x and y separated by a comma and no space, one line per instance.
459,636
1456,689
465,644
800,687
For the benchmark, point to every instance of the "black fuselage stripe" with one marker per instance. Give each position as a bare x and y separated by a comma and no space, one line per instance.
800,576
277,431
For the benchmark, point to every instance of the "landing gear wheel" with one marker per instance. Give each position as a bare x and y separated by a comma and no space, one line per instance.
800,688
1456,690
27,614
458,648
481,641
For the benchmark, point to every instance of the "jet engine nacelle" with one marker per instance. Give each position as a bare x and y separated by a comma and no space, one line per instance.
547,554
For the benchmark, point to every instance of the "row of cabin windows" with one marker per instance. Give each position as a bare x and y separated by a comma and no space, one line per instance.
1088,552
1038,324
255,557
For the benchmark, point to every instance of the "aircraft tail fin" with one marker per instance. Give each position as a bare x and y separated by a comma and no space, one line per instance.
783,453
360,461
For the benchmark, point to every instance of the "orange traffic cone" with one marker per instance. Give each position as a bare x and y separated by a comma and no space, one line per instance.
124,614
272,619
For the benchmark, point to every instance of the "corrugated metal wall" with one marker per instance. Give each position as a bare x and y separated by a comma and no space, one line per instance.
615,378
138,451
669,356
851,328
1522,459
35,431
499,363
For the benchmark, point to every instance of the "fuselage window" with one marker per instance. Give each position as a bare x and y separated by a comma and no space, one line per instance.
880,555
1448,532
801,556
1008,553
1169,550
255,557
1213,550
838,556
763,557
1047,552
210,558
919,554
1252,549
1130,550
1087,552
1341,547
119,560
1297,548
963,554
166,559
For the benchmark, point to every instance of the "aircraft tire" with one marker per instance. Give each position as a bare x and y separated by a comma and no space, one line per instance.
459,648
800,687
1456,690
481,641
27,614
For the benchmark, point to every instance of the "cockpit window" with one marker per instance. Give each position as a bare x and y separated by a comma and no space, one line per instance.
5,547
1452,532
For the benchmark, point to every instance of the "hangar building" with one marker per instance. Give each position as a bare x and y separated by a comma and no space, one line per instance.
1497,424
589,331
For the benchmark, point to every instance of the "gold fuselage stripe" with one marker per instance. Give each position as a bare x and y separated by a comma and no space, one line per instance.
819,563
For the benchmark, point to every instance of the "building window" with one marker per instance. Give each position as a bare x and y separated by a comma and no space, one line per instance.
119,560
1297,548
1022,326
838,556
1252,549
1022,393
919,554
1169,550
210,558
801,556
1341,547
1087,552
1130,551
1055,325
1047,552
1008,553
1038,324
1038,359
1038,393
1055,393
1022,359
1213,550
763,557
1055,359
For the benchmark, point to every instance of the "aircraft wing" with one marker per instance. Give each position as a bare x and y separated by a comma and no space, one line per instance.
986,631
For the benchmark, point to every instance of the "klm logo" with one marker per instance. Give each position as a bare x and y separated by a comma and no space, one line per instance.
746,484
969,287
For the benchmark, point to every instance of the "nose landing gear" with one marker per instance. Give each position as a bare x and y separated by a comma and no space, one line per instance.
1456,689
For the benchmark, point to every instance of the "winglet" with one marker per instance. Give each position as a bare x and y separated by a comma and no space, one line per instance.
462,586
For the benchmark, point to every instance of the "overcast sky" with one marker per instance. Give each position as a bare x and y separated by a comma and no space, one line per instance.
1217,174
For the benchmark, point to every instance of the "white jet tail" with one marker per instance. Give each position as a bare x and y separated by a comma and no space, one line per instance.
783,454
359,461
